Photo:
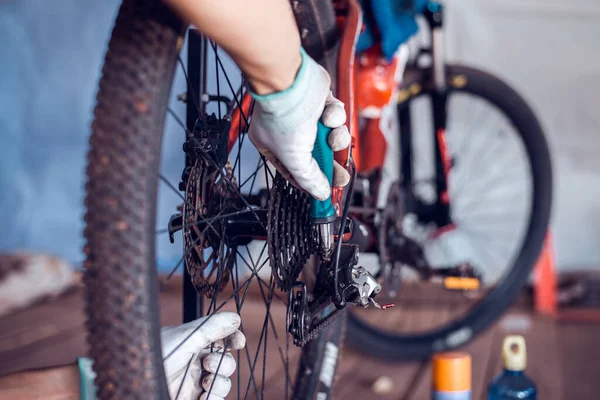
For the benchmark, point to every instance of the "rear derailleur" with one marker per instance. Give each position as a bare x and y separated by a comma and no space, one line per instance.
308,314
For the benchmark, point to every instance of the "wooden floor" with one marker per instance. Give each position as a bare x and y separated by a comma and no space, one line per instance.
563,358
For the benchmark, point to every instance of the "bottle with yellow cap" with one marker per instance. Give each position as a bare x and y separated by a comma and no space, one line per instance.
451,376
512,383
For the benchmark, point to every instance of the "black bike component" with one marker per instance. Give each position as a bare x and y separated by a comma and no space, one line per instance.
196,61
209,138
298,314
362,235
434,15
211,192
175,225
260,199
394,246
247,224
221,99
337,297
309,315
406,146
439,101
291,235
327,284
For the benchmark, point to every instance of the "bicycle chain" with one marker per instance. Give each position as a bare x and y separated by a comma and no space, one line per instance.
292,237
321,325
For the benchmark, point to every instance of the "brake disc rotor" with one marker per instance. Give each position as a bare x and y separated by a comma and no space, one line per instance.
209,271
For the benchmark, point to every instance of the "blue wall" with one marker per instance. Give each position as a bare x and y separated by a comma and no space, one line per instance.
51,54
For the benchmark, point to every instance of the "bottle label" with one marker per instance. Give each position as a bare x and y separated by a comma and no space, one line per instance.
462,395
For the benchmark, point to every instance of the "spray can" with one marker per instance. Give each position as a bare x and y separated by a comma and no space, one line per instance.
512,383
451,376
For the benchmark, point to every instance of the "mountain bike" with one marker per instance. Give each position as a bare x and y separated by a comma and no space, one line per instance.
246,231
465,209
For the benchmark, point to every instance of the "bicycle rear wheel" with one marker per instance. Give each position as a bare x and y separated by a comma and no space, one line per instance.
462,318
122,286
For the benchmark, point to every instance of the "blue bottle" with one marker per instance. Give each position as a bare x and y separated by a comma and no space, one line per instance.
512,383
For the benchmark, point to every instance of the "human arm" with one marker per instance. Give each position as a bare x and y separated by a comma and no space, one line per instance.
260,35
291,90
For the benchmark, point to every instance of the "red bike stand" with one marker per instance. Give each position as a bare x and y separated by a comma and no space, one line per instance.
545,281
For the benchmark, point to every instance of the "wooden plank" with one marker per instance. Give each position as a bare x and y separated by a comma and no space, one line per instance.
357,381
578,357
49,333
562,358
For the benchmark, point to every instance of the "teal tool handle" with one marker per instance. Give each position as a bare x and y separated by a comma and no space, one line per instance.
323,211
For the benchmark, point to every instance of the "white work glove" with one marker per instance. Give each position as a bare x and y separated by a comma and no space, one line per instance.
220,329
284,129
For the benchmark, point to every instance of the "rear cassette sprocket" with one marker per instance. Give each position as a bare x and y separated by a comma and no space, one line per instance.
292,237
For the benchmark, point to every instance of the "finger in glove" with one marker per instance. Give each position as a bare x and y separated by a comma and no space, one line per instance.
221,387
195,335
311,179
341,176
334,115
226,368
212,396
339,138
236,341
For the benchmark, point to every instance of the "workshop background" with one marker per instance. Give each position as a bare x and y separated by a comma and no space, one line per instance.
52,52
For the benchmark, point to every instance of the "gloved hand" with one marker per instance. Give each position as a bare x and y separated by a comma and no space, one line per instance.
220,329
284,129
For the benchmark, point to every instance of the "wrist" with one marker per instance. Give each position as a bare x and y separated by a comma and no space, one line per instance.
275,76
305,97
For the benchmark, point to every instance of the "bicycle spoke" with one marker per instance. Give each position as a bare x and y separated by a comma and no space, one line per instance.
260,342
218,80
219,263
245,284
238,305
188,251
488,211
177,119
175,268
485,195
218,60
212,384
184,375
195,97
252,177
